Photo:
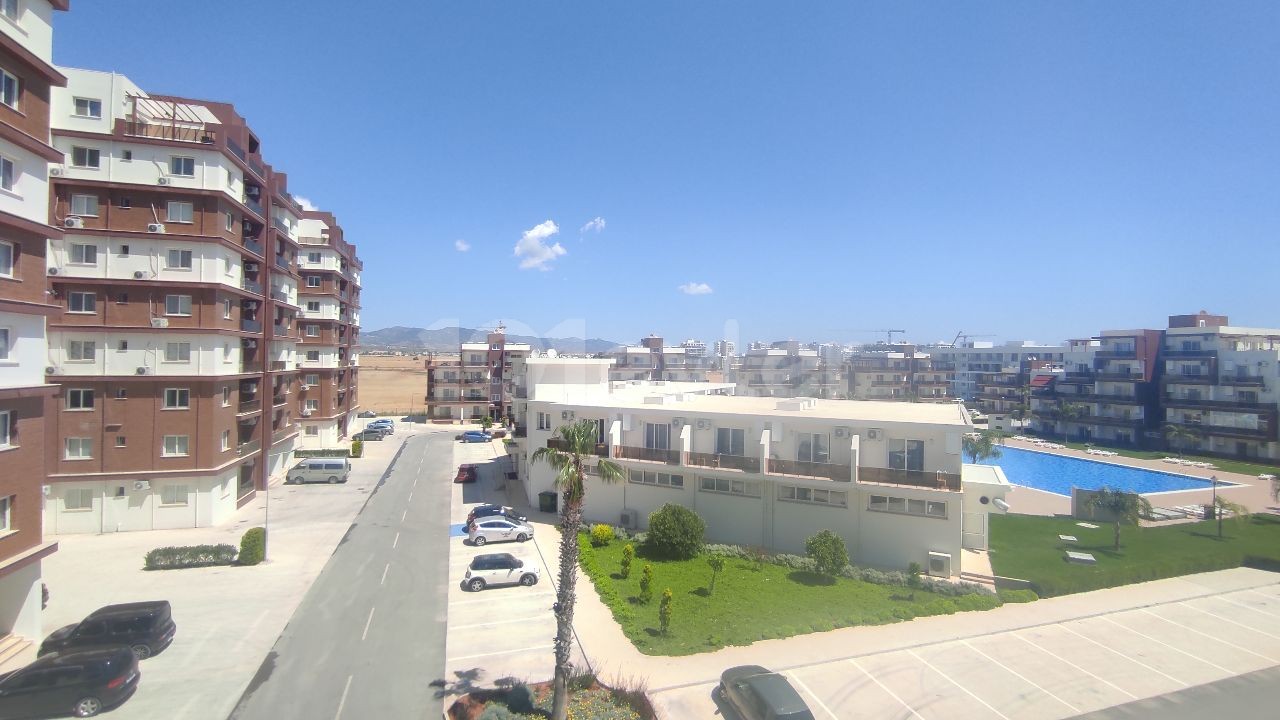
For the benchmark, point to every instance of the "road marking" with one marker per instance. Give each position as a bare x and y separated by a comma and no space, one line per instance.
1249,607
1161,642
1215,638
1061,659
248,633
410,497
1021,677
496,622
1256,591
415,478
384,574
404,514
501,652
816,699
367,623
1126,657
963,689
470,601
343,700
882,686
1216,616
395,542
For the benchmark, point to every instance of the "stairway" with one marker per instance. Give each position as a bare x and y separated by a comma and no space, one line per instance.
13,652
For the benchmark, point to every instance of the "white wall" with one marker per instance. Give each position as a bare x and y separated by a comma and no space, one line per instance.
326,438
211,500
145,350
20,600
26,363
894,541
33,29
328,307
149,163
328,357
210,263
30,195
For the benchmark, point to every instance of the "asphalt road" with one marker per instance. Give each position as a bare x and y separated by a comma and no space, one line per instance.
1255,695
369,636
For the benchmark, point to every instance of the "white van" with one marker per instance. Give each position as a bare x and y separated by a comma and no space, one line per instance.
330,470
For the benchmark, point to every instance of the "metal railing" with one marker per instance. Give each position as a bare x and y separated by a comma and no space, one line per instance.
250,325
803,468
251,286
626,452
253,246
599,450
251,446
254,205
723,462
913,478
250,405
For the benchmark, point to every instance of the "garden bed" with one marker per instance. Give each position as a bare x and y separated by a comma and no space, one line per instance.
588,700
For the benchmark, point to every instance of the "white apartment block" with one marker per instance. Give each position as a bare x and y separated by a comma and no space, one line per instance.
652,360
887,477
968,361
787,370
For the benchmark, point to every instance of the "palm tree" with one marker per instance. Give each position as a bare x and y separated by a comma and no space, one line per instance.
1221,506
980,446
1023,409
575,443
1179,436
1068,412
1121,506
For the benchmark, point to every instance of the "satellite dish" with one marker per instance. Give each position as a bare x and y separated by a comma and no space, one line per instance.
552,353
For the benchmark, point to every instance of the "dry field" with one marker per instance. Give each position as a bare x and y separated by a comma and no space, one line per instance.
392,384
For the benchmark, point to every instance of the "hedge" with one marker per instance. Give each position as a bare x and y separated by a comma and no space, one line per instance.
253,546
171,558
322,453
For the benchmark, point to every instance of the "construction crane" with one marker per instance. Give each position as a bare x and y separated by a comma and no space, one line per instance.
966,336
889,334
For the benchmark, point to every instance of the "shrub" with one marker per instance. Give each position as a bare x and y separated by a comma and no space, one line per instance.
493,711
664,611
794,562
646,584
717,564
827,551
728,551
913,574
169,558
253,546
357,448
628,554
343,452
601,535
1009,595
675,532
486,422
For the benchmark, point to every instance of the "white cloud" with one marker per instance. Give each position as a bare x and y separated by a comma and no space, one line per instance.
595,225
305,203
461,245
533,250
695,288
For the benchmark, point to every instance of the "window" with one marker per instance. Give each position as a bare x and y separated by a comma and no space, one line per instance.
313,356
657,436
313,331
9,89
122,394
544,421
908,506
175,445
226,309
7,256
313,281
79,399
313,258
748,488
10,9
122,346
82,254
226,440
731,441
121,441
126,155
226,352
7,174
174,494
646,477
177,398
226,395
83,157
313,405
180,211
311,379
184,166
88,108
311,430
81,349
791,493
77,499
79,448
82,302
906,454
6,429
177,305
178,259
6,506
813,447
4,343
313,306
177,352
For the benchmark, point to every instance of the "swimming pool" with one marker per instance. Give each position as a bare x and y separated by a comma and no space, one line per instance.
1058,474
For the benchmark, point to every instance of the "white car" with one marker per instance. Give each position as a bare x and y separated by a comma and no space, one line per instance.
498,528
499,569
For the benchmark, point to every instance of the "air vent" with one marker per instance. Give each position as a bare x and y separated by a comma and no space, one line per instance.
159,322
53,271
163,181
142,370
940,564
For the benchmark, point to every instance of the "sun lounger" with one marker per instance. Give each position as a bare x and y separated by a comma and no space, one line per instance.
1081,557
1068,538
1090,526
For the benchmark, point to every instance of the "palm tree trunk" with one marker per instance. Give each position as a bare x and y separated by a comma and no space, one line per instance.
1117,534
570,524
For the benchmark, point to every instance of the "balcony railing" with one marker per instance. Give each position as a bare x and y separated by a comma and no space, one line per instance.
253,246
1077,377
278,365
250,325
1116,354
1217,404
912,478
1119,377
281,263
282,330
250,366
251,446
1113,421
1190,378
599,449
280,295
282,433
804,468
235,149
1241,380
626,452
520,431
256,168
249,406
251,286
1191,354
254,205
724,462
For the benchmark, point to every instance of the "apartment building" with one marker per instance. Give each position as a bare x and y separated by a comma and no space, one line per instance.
175,339
787,370
1005,396
478,384
968,360
1222,384
653,360
27,80
896,372
887,477
328,305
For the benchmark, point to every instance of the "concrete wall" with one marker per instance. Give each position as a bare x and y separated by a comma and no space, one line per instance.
120,506
20,600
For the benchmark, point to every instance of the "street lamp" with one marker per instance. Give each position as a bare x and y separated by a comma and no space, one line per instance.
1216,512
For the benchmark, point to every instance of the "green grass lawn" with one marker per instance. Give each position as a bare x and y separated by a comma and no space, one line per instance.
749,604
1235,466
1027,547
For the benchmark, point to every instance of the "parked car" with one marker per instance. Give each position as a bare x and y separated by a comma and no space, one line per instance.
82,683
466,474
330,470
497,528
146,627
386,426
374,434
367,414
471,436
758,694
498,569
483,511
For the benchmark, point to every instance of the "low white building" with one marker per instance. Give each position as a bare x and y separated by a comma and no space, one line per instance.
770,472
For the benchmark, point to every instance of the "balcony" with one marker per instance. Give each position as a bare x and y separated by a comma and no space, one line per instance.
246,448
1077,378
724,462
911,478
280,296
281,262
520,431
251,286
1119,377
1246,380
281,330
626,452
235,149
254,326
252,405
1190,378
1112,421
254,205
279,365
278,400
283,433
282,227
253,246
802,468
446,380
1130,354
599,450
1190,354
250,366
522,393
475,381
1243,405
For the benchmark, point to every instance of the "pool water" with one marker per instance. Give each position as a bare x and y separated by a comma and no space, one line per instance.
1058,474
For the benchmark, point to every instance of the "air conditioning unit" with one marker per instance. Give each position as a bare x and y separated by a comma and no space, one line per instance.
703,424
51,370
73,221
940,564
251,344
155,227
138,274
251,267
159,322
56,171
567,415
142,370
141,485
842,432
306,413
163,181
627,519
875,434
678,422
252,304
53,271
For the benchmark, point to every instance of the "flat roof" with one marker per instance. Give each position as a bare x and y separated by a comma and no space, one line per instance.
645,397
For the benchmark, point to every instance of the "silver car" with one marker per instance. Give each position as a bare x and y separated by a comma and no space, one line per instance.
498,528
499,569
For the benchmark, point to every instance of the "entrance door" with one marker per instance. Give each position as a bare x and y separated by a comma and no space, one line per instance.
974,535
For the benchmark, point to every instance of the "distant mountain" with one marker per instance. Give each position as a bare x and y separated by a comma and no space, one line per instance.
448,340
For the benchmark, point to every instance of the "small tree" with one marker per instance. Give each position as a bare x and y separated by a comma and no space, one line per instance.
1178,437
253,546
486,422
1122,506
913,574
717,564
1222,506
980,446
1067,413
827,551
357,448
628,554
676,532
646,584
664,611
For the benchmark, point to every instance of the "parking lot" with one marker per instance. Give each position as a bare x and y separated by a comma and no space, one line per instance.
1055,670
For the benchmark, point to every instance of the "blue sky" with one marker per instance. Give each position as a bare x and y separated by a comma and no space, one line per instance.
807,170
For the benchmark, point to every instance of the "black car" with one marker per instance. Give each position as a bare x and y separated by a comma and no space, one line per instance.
482,511
369,435
78,682
758,694
146,627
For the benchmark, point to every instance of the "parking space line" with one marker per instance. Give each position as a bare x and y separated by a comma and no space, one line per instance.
1165,644
1273,661
470,601
1216,616
1126,657
1226,599
883,687
404,514
410,497
496,622
813,695
395,542
343,700
1061,659
1021,677
963,689
501,652
384,574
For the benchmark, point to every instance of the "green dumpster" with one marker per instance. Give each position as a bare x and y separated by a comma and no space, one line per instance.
547,501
